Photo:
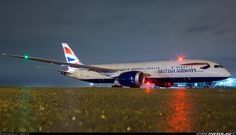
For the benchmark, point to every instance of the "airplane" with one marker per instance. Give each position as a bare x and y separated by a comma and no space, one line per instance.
134,75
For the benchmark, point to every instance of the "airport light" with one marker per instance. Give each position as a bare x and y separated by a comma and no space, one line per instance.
229,82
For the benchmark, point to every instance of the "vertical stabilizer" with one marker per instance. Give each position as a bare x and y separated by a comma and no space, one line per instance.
70,55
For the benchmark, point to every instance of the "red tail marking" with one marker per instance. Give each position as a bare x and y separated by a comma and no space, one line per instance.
67,50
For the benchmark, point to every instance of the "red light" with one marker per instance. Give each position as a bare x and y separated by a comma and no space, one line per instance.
180,58
148,83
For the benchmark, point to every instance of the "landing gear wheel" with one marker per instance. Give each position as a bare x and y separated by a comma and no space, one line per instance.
209,85
116,86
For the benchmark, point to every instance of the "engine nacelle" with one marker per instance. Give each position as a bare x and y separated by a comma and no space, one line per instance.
131,79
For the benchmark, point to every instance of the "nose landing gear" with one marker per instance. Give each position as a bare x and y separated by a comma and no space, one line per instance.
209,85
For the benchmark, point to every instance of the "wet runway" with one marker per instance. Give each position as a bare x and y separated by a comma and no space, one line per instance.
117,110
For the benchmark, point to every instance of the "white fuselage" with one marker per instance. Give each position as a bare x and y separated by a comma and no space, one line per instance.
177,71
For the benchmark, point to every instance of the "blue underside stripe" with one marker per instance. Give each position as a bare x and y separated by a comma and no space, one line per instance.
190,80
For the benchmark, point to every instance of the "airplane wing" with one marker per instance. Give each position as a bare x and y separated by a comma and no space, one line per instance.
50,61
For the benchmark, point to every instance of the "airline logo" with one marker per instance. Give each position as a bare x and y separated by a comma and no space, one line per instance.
171,71
69,54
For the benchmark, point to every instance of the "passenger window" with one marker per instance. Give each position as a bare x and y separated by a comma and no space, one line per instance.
218,66
205,67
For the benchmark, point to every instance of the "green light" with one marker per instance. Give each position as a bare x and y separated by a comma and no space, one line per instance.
26,56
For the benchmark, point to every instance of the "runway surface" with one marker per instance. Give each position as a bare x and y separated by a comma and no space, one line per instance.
117,110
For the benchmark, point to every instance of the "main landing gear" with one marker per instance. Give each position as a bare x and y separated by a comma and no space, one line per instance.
116,86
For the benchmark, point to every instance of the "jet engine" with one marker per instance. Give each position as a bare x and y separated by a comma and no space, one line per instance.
131,79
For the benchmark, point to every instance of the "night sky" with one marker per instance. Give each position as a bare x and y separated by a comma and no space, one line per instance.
112,31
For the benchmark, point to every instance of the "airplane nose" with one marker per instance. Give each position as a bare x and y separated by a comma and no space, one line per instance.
227,73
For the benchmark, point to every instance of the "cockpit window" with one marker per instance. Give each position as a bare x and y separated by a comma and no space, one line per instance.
205,67
218,66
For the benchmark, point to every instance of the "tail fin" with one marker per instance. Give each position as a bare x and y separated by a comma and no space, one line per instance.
70,55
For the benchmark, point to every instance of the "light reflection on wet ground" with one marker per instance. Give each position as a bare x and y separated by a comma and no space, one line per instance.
179,120
116,110
148,90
